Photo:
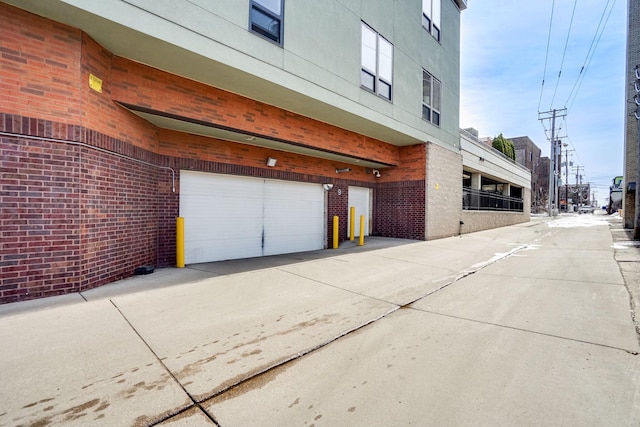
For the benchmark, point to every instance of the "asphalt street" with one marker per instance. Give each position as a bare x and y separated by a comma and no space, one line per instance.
527,325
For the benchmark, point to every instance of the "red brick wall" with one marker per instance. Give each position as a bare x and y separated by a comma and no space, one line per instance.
40,66
40,253
119,216
400,210
73,217
99,112
399,199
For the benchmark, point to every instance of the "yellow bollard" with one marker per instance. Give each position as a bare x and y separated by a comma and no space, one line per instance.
352,224
180,242
361,240
335,232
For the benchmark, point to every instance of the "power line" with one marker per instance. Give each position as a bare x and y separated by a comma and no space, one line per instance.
575,150
566,43
546,56
587,61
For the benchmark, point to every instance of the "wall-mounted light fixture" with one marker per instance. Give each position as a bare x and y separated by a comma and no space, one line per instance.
343,170
271,162
376,173
327,187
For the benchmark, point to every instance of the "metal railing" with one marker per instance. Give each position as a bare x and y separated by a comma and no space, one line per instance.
480,200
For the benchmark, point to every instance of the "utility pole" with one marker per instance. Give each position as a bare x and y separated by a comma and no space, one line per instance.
557,171
579,185
580,193
553,189
566,174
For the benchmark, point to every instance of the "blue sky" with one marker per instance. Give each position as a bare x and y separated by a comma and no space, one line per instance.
503,55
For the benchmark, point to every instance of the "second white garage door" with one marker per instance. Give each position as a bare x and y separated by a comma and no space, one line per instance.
231,217
360,198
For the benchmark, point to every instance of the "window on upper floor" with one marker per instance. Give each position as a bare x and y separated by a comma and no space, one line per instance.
431,12
431,98
265,19
377,63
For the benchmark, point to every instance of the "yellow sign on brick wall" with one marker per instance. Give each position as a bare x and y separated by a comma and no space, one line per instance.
95,83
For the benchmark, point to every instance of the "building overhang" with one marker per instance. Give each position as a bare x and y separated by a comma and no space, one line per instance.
197,127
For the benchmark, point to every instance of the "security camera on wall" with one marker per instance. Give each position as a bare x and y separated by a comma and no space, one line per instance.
376,173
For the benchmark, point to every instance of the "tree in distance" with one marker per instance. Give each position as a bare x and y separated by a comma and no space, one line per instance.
505,146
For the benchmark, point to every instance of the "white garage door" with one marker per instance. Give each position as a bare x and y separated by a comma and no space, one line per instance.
359,198
231,217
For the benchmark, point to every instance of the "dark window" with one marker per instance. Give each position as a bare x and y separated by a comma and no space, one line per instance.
376,62
431,98
431,12
368,80
265,19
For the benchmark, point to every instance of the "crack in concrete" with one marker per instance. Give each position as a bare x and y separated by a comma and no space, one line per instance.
194,402
633,353
469,272
295,356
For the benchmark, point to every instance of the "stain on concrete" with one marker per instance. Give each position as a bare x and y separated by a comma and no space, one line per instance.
46,412
240,385
30,405
197,366
295,402
79,411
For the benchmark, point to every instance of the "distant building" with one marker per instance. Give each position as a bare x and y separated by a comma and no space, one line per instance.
579,194
487,140
496,191
542,189
528,155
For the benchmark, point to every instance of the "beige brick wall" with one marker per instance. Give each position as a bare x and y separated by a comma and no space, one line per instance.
443,193
485,220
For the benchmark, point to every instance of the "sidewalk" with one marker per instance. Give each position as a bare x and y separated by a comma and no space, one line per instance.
490,328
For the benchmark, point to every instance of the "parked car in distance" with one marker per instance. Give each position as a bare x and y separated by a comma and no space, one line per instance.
586,209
